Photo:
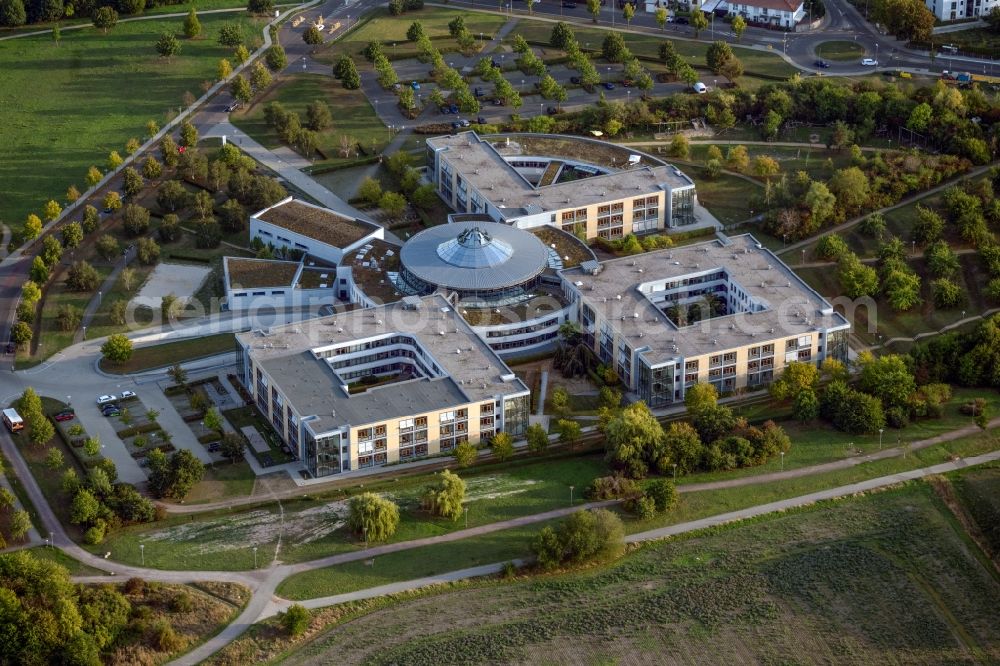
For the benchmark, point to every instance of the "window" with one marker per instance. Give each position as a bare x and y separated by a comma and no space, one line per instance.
405,424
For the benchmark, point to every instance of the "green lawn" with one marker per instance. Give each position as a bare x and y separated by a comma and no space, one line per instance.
52,337
728,198
979,490
648,46
353,115
76,568
66,107
223,481
391,31
840,50
169,353
429,560
818,162
884,578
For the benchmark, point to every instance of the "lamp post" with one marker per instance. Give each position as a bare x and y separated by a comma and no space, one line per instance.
142,553
782,461
365,530
466,517
255,557
675,472
880,431
571,495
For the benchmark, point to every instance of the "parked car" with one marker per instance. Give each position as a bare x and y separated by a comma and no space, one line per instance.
214,446
608,85
870,62
822,64
415,85
479,91
628,83
64,415
551,110
232,107
11,347
453,108
495,63
700,88
575,80
464,123
681,20
569,5
128,395
480,120
106,400
670,19
112,411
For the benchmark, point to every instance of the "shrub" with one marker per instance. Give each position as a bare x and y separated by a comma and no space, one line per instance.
664,494
373,516
295,620
612,487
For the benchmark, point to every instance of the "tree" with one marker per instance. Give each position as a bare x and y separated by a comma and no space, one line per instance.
456,26
260,76
312,36
232,446
850,186
41,430
39,272
664,494
107,246
465,454
118,312
231,35
445,497
538,438
680,147
856,279
30,292
51,250
168,45
275,58
68,317
112,201
72,234
635,440
661,17
178,374
414,32
732,69
561,36
503,446
260,6
295,620
392,203
32,227
72,194
136,219
700,398
20,523
373,516
797,377
105,18
241,54
51,210
54,459
613,47
628,13
189,134
92,446
594,9
591,536
117,348
12,13
806,406
946,294
941,259
717,55
887,377
21,333
192,26
699,21
84,508
151,168
738,26
170,306
737,158
29,404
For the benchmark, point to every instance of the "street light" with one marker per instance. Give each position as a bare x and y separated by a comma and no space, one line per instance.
571,495
255,557
880,431
142,553
466,517
675,472
782,461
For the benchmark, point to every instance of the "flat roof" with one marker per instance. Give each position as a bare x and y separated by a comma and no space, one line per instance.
483,166
793,308
474,372
255,273
321,224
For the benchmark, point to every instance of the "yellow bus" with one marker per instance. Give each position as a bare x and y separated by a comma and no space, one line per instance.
13,420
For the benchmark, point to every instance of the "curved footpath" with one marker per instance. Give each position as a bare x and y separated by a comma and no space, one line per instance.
264,582
265,609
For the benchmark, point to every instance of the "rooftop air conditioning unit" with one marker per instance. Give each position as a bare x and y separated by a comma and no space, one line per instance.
618,297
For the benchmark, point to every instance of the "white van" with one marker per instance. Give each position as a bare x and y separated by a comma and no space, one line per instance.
700,88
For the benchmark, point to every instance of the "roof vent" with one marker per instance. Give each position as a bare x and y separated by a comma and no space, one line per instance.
618,297
771,331
458,351
635,315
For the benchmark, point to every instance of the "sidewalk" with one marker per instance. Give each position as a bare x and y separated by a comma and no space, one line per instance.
105,288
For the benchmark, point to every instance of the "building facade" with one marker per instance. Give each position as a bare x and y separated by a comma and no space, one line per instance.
296,227
528,181
380,385
780,13
727,312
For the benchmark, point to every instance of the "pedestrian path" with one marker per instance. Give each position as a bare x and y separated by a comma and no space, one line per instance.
98,297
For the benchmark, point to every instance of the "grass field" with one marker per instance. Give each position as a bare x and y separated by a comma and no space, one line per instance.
818,162
168,353
223,481
728,198
391,31
979,490
428,560
840,50
66,107
648,46
353,114
884,578
75,567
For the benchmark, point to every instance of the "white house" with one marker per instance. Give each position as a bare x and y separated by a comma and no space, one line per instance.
950,10
782,13
253,284
296,225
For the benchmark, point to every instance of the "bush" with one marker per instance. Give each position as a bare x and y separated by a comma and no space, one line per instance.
643,507
612,487
373,516
664,494
295,620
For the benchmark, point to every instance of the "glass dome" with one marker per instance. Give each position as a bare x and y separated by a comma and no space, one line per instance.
474,248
